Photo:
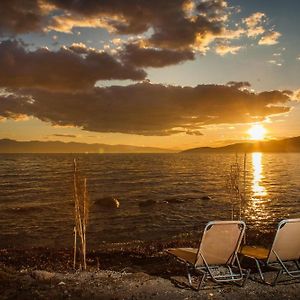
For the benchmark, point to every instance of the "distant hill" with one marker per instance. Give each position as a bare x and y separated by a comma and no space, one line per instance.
285,145
12,146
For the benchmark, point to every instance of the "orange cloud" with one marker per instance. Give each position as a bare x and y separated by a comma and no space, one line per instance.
223,49
270,38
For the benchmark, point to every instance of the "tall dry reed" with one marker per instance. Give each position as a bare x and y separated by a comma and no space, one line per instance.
236,187
81,216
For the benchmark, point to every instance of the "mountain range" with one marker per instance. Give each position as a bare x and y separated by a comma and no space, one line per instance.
12,146
285,145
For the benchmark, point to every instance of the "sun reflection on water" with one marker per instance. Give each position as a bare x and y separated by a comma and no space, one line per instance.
257,189
259,195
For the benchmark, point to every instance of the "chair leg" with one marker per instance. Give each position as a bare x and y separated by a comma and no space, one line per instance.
273,283
245,277
201,282
279,273
189,276
259,270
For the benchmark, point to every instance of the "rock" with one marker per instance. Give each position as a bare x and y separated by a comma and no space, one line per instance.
107,202
206,197
42,275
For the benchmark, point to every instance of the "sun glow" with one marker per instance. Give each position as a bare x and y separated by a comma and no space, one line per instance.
257,132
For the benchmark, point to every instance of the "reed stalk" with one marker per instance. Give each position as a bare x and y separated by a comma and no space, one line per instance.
81,215
234,188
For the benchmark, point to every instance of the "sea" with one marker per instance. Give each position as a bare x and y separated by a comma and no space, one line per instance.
162,197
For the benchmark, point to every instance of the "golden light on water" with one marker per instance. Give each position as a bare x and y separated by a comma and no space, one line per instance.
257,189
257,207
257,132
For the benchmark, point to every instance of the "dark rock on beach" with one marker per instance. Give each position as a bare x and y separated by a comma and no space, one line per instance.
107,202
206,197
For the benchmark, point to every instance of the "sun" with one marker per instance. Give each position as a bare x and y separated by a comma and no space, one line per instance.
257,132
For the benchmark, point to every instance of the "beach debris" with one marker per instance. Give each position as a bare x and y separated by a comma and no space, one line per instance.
107,202
42,275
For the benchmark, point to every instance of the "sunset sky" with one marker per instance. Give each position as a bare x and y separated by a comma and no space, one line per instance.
167,73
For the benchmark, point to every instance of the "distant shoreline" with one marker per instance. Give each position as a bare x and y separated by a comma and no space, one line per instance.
7,146
290,145
11,146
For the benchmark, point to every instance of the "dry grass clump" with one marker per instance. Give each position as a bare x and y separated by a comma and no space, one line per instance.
81,216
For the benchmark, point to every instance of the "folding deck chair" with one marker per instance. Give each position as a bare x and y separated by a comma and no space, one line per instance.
285,251
216,257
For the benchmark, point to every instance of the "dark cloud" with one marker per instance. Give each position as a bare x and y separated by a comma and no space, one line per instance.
133,54
60,70
146,109
171,25
65,135
20,16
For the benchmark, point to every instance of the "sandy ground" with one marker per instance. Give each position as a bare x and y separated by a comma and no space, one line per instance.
134,274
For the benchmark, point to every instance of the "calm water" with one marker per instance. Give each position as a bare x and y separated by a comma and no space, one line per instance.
36,195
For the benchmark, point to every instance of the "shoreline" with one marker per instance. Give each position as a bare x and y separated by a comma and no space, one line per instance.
117,272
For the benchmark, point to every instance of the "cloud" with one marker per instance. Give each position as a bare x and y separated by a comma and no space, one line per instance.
65,135
20,16
138,56
253,32
256,27
254,20
145,108
81,48
239,84
270,38
223,49
194,132
274,62
254,24
174,24
60,70
65,23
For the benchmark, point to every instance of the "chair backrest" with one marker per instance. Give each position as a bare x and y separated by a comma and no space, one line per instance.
220,241
286,243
